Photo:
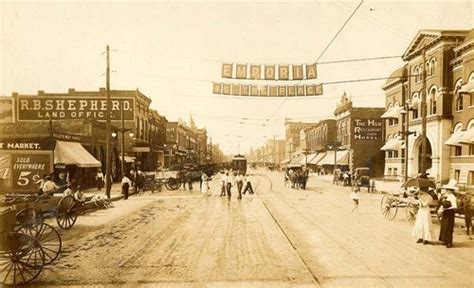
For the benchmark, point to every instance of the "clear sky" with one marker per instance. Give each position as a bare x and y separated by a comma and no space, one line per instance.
173,51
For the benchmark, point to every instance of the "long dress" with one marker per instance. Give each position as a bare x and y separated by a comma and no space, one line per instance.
204,186
423,228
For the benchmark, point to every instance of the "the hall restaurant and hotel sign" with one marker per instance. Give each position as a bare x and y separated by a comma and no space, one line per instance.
30,108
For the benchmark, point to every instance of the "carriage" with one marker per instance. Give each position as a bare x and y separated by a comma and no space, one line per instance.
27,244
391,202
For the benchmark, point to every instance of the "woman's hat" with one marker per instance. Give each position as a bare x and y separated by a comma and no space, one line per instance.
451,185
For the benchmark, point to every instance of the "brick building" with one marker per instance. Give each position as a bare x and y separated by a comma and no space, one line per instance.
293,136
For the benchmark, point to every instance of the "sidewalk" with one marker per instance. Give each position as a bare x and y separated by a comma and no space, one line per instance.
380,185
115,192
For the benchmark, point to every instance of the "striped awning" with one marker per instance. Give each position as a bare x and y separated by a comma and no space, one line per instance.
454,139
342,158
467,137
392,145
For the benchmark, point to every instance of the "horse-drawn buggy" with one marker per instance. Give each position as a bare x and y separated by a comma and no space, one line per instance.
27,244
409,199
361,178
296,176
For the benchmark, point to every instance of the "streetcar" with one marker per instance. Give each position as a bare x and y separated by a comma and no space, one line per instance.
239,163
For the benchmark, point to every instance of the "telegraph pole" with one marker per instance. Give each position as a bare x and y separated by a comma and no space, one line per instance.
423,115
108,164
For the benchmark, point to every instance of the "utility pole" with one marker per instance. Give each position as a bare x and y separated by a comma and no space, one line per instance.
122,143
423,115
274,151
108,164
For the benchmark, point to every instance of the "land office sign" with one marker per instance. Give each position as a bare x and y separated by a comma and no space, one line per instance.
368,129
63,108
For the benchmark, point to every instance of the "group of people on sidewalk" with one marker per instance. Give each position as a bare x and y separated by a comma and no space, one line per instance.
230,179
423,229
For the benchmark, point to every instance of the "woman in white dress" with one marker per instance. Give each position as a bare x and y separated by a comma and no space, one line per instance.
205,183
423,228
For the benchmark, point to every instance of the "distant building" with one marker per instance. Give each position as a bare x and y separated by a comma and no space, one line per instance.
359,137
292,137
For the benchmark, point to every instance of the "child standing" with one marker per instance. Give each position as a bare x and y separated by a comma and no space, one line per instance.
355,199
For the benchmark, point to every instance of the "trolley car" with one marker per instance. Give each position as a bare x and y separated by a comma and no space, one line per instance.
239,163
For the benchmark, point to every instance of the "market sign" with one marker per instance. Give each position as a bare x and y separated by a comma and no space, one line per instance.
368,129
33,108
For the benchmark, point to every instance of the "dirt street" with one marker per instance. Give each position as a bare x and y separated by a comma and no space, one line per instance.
184,240
279,237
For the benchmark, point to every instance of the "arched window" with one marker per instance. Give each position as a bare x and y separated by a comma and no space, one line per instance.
415,105
416,73
432,103
432,66
427,68
459,97
396,105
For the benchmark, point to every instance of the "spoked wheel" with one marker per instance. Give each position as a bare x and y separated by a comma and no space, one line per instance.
389,206
412,210
172,183
21,259
49,239
28,219
66,213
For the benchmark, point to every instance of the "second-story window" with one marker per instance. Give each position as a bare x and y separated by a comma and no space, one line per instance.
459,102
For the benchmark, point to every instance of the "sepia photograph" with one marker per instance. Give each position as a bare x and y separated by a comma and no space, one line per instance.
240,144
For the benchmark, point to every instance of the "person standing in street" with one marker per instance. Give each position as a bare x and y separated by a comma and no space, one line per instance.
99,178
354,195
126,183
223,182
423,227
240,183
248,185
447,209
205,183
229,182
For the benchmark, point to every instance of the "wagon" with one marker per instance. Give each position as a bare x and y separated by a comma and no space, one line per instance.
362,178
391,202
26,246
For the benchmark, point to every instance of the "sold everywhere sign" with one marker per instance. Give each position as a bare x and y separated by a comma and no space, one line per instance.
58,108
22,164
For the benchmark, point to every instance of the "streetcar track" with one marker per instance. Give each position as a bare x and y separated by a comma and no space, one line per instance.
379,275
299,256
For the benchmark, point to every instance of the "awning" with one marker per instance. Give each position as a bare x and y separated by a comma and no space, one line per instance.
392,145
128,159
297,159
469,87
286,161
311,157
73,153
391,113
454,139
467,137
342,158
317,158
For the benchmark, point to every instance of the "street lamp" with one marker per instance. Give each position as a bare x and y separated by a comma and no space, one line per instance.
122,146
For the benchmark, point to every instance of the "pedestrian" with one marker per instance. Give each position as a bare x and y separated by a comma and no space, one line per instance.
239,179
132,178
223,182
354,195
447,209
229,181
248,185
189,178
126,183
139,181
423,228
49,186
99,178
68,191
205,183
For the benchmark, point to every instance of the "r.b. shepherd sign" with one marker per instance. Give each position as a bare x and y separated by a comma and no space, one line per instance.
55,108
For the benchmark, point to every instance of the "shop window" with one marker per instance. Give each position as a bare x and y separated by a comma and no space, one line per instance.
456,174
395,154
389,171
415,114
457,151
395,171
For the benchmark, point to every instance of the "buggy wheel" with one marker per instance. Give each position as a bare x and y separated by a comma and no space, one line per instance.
66,212
21,259
411,211
28,219
389,206
172,183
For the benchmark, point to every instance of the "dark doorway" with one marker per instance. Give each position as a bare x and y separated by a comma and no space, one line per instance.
428,160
